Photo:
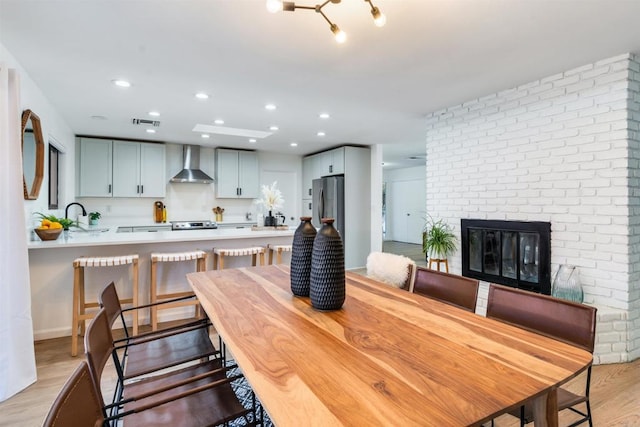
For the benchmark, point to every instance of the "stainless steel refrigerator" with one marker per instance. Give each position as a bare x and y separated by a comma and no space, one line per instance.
328,201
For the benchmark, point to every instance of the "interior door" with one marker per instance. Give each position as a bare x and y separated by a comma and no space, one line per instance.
405,211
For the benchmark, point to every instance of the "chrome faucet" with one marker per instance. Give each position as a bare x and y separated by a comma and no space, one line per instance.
66,210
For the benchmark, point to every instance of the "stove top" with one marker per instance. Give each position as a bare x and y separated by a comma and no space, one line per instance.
193,225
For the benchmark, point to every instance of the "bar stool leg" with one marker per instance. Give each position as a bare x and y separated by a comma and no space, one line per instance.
261,258
253,260
270,256
154,295
78,273
135,296
279,257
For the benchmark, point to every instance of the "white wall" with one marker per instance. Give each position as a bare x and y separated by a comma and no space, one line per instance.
556,149
54,129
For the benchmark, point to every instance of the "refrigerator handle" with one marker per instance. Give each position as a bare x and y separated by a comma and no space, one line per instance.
321,204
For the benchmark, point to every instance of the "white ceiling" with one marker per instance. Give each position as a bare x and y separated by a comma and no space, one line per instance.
377,87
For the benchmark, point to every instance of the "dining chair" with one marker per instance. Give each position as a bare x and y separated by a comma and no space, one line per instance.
560,319
78,403
197,395
449,288
151,351
392,269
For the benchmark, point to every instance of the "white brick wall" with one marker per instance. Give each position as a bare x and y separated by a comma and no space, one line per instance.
563,149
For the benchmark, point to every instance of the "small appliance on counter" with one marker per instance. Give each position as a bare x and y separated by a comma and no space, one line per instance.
159,212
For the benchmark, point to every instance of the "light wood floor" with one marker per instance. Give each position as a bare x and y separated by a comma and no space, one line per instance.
615,391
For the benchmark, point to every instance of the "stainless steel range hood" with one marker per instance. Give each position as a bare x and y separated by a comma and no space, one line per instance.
191,172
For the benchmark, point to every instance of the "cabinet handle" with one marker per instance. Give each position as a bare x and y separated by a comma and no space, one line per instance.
137,189
237,191
109,189
141,189
309,206
310,192
330,168
241,191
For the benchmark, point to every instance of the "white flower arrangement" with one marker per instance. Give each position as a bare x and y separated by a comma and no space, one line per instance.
271,197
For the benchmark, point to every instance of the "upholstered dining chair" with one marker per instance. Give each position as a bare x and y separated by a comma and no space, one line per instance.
151,351
196,395
392,269
78,403
449,288
563,320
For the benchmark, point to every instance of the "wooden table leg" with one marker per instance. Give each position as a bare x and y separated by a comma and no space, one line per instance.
545,410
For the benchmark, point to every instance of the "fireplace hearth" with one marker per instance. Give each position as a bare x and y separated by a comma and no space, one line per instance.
512,253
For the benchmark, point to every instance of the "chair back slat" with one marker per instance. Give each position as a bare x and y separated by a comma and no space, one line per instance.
450,288
109,299
563,320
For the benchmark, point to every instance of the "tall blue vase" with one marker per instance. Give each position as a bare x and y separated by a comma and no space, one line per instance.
327,284
301,251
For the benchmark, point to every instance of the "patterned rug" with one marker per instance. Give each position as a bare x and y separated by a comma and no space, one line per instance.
246,397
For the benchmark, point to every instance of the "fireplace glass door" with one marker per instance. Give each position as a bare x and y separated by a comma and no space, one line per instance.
513,253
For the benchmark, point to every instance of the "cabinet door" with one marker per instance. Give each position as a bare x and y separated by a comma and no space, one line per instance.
94,164
337,161
248,175
307,207
307,177
153,181
227,174
126,169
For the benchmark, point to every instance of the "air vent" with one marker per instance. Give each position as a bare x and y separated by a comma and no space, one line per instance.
154,123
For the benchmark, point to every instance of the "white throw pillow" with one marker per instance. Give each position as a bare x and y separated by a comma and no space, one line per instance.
389,268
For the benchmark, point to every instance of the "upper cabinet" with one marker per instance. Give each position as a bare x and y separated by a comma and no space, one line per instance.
237,174
322,164
139,169
121,169
95,157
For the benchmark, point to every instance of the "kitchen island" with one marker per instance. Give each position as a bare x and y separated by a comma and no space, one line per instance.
51,269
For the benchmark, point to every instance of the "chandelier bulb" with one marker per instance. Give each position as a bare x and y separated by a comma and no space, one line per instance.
379,18
274,6
340,35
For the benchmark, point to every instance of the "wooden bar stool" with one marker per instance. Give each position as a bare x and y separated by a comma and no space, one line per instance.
219,254
80,304
200,257
278,249
438,262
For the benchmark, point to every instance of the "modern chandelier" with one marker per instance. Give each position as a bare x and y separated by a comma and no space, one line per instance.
274,6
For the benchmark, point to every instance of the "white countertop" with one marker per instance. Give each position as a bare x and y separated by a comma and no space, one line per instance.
110,237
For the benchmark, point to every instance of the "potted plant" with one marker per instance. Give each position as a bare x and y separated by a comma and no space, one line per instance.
438,239
94,217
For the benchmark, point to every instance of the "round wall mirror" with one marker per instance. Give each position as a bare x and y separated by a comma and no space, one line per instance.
32,155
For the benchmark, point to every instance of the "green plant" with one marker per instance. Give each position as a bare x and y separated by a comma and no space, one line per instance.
65,222
94,216
438,239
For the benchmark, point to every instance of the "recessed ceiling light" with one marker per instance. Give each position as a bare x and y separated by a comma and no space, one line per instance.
324,115
151,131
294,144
273,128
321,133
121,83
99,117
270,107
202,95
205,135
218,121
154,113
252,140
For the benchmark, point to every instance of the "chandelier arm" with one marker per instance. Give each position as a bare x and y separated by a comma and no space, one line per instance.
324,16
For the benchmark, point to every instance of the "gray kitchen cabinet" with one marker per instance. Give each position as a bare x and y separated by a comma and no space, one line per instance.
109,168
94,168
139,169
237,174
329,163
307,177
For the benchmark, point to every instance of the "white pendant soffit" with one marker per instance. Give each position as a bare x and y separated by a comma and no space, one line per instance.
223,130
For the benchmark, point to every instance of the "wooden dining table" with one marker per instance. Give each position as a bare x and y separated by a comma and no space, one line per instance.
387,357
